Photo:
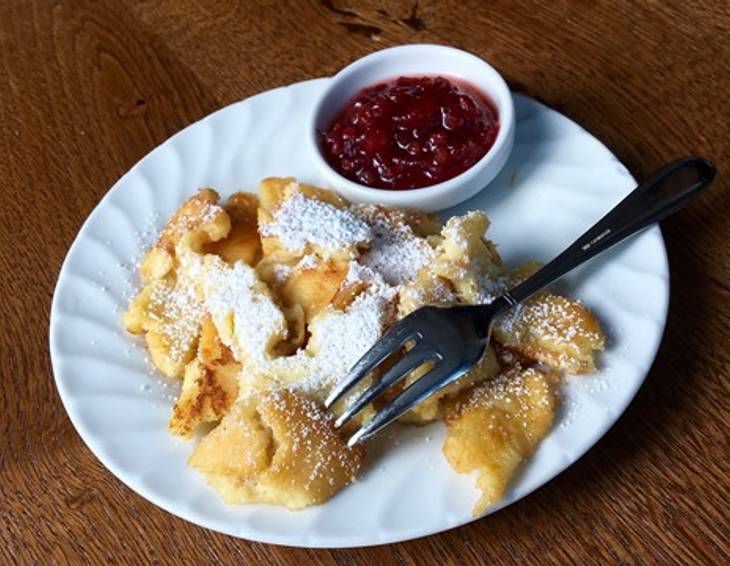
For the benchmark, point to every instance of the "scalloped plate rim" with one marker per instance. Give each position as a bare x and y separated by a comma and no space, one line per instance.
239,531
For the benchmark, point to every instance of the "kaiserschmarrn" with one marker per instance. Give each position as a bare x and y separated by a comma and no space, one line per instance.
259,304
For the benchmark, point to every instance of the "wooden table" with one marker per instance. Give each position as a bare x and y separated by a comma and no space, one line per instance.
89,87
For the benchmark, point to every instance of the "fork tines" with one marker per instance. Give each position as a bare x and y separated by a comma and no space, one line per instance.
383,348
419,353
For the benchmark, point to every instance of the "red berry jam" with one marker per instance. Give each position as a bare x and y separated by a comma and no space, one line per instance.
410,132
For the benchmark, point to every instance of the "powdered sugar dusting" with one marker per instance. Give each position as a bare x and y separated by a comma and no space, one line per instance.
550,317
430,289
251,323
490,288
301,221
358,273
454,229
396,253
183,222
509,386
309,261
341,338
311,432
143,238
180,316
282,272
237,292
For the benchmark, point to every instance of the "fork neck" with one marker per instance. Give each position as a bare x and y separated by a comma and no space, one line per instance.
489,313
665,192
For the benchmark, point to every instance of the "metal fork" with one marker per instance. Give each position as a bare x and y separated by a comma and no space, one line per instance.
453,339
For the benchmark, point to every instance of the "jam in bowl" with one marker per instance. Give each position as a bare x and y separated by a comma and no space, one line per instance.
410,132
419,126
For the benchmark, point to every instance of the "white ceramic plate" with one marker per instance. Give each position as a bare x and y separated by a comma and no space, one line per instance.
558,181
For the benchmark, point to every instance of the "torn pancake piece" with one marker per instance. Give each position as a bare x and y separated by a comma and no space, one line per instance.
495,426
279,448
210,384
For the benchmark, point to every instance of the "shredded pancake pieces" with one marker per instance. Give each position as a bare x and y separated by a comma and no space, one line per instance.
259,305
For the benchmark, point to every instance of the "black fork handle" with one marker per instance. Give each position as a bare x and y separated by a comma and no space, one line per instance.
662,194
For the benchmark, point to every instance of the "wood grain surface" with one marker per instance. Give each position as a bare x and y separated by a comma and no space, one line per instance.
88,87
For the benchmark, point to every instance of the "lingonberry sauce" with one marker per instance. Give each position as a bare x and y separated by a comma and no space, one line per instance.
410,132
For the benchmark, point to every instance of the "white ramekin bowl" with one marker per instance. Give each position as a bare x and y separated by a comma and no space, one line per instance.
415,60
